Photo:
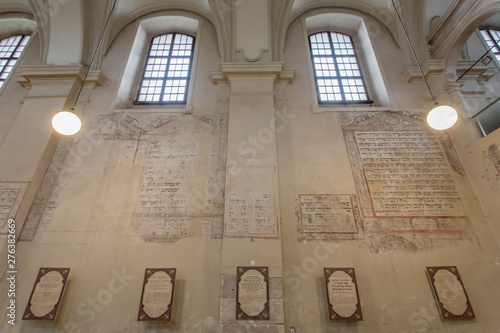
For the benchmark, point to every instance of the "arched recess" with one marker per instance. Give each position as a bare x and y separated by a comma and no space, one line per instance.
357,25
379,14
121,21
145,28
16,24
468,26
65,32
434,10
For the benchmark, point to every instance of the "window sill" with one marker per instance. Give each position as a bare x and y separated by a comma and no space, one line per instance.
343,108
187,109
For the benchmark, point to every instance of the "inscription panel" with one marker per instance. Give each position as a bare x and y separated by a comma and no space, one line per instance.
181,189
252,293
449,292
342,294
47,294
405,182
157,294
47,198
407,174
324,216
251,205
11,195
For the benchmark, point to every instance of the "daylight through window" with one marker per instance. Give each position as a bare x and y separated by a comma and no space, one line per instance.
165,79
336,69
492,38
10,50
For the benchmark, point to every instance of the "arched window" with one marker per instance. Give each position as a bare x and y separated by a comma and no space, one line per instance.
337,72
165,79
492,38
10,50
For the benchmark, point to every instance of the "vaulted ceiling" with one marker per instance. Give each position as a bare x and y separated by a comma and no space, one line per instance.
56,17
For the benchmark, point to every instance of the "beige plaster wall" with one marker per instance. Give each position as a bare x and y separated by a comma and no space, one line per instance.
393,288
90,225
92,231
12,94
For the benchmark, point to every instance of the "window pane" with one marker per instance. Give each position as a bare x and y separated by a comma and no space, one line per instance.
167,70
492,38
334,57
10,50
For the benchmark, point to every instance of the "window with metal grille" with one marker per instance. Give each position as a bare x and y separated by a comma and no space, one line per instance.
336,69
165,79
10,50
492,38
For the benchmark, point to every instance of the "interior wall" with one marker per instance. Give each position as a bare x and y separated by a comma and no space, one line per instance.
99,209
94,213
394,291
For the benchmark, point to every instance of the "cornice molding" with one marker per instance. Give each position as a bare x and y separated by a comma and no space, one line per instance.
437,67
275,69
49,75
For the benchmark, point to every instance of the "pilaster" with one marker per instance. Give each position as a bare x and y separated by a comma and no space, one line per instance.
30,143
252,222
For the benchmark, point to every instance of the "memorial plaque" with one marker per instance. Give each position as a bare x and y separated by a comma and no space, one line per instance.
325,216
252,293
47,294
449,292
342,294
157,294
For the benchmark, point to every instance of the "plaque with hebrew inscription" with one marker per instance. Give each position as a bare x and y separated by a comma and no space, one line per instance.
47,294
157,294
328,216
342,294
449,292
252,293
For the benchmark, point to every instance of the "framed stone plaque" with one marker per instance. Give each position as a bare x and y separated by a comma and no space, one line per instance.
449,292
342,294
252,293
157,294
47,294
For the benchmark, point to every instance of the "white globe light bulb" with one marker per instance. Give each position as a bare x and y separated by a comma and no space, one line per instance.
66,123
442,117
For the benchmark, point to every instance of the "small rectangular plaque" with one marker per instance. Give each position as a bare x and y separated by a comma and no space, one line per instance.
157,294
449,292
342,294
252,293
47,294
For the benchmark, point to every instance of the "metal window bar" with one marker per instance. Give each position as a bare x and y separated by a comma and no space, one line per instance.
334,54
167,70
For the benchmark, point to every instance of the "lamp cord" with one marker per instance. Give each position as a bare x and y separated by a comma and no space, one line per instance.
94,55
495,43
413,52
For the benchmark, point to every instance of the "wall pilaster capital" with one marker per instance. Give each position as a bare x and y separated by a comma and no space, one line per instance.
273,71
53,81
